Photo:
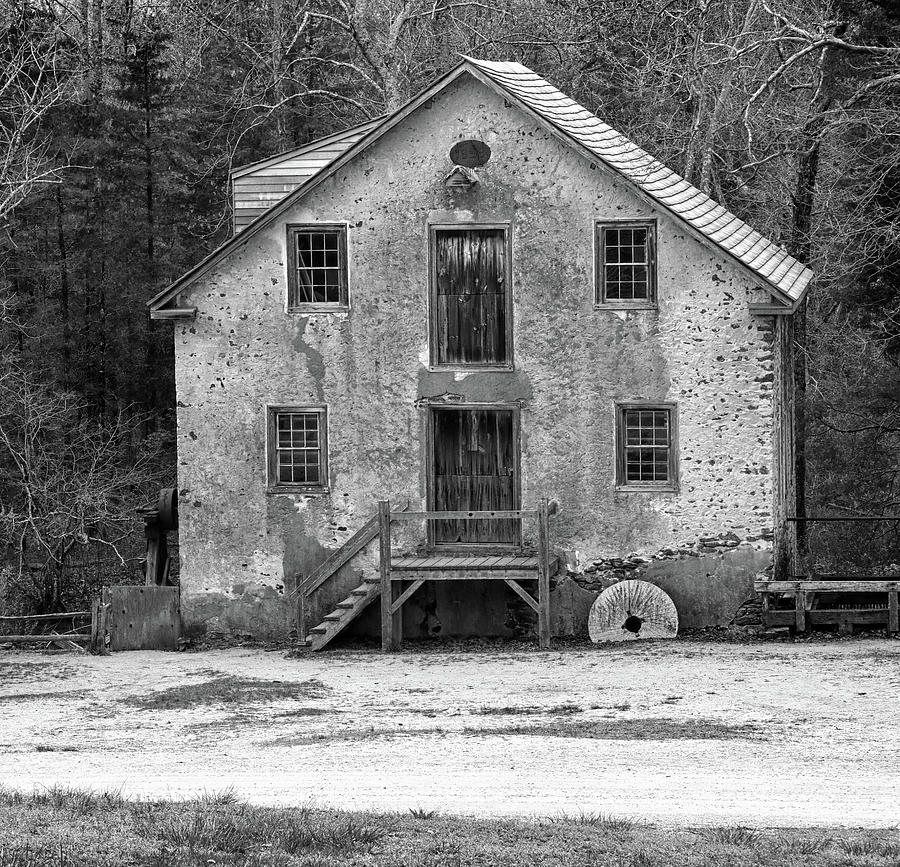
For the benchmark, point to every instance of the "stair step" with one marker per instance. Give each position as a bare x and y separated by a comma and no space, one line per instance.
345,612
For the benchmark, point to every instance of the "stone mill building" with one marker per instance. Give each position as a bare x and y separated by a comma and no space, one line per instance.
486,300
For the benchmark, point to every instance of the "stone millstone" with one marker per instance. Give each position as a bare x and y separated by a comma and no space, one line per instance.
632,610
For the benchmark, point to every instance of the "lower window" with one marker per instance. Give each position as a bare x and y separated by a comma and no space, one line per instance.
298,454
646,446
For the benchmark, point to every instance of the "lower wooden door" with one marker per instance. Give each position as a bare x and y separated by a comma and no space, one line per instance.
475,467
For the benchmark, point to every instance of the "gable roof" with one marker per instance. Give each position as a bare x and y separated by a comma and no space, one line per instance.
773,267
258,185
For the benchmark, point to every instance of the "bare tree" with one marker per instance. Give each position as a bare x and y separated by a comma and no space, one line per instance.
33,81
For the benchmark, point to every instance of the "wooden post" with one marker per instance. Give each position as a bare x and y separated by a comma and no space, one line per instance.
384,539
100,624
95,626
301,612
800,612
893,613
153,553
544,573
765,609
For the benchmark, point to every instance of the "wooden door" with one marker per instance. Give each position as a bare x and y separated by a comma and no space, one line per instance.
475,466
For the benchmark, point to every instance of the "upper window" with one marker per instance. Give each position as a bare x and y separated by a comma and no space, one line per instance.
646,446
470,309
626,266
317,267
298,454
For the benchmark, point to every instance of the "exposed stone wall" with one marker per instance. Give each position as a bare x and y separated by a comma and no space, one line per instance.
242,548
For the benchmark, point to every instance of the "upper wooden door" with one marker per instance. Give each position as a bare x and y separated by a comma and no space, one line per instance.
475,467
470,298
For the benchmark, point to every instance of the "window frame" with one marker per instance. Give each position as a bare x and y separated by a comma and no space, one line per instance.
600,299
343,305
273,484
433,363
622,483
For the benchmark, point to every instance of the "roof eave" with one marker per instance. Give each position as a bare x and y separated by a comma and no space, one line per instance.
315,144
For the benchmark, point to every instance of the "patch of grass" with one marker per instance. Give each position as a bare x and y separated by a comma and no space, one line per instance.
63,694
736,835
810,845
646,728
606,821
228,689
18,672
868,847
55,748
307,711
63,827
71,798
530,710
346,835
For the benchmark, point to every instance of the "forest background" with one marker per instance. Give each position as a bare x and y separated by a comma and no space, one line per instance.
120,121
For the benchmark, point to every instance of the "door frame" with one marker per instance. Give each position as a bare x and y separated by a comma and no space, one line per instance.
431,407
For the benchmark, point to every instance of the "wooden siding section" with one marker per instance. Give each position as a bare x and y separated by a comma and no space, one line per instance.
702,213
258,186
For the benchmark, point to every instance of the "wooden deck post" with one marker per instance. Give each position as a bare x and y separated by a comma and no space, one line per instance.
800,612
301,611
893,625
387,596
544,573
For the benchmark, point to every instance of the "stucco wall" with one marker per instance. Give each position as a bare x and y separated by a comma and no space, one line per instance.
701,349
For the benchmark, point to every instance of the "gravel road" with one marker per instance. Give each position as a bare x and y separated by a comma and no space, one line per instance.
763,734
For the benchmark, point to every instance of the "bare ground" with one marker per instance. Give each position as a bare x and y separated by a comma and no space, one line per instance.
780,734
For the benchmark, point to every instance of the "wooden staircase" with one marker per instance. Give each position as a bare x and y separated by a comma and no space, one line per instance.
346,612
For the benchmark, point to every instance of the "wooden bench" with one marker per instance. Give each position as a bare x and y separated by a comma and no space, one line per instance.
804,590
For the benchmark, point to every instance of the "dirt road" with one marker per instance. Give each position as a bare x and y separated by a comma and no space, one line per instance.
780,734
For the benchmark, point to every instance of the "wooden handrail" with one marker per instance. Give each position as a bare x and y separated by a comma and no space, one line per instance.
339,557
463,515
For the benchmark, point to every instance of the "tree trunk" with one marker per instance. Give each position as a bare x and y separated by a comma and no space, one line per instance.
63,290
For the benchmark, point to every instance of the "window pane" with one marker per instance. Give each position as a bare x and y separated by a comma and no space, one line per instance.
646,446
626,258
318,273
298,456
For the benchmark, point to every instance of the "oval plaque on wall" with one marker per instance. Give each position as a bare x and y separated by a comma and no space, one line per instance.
470,153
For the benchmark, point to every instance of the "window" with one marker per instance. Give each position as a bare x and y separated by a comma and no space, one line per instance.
626,264
297,449
646,446
317,267
470,300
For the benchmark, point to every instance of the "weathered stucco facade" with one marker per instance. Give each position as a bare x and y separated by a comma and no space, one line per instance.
701,349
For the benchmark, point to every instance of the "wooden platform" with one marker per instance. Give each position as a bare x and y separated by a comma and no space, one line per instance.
404,574
466,567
